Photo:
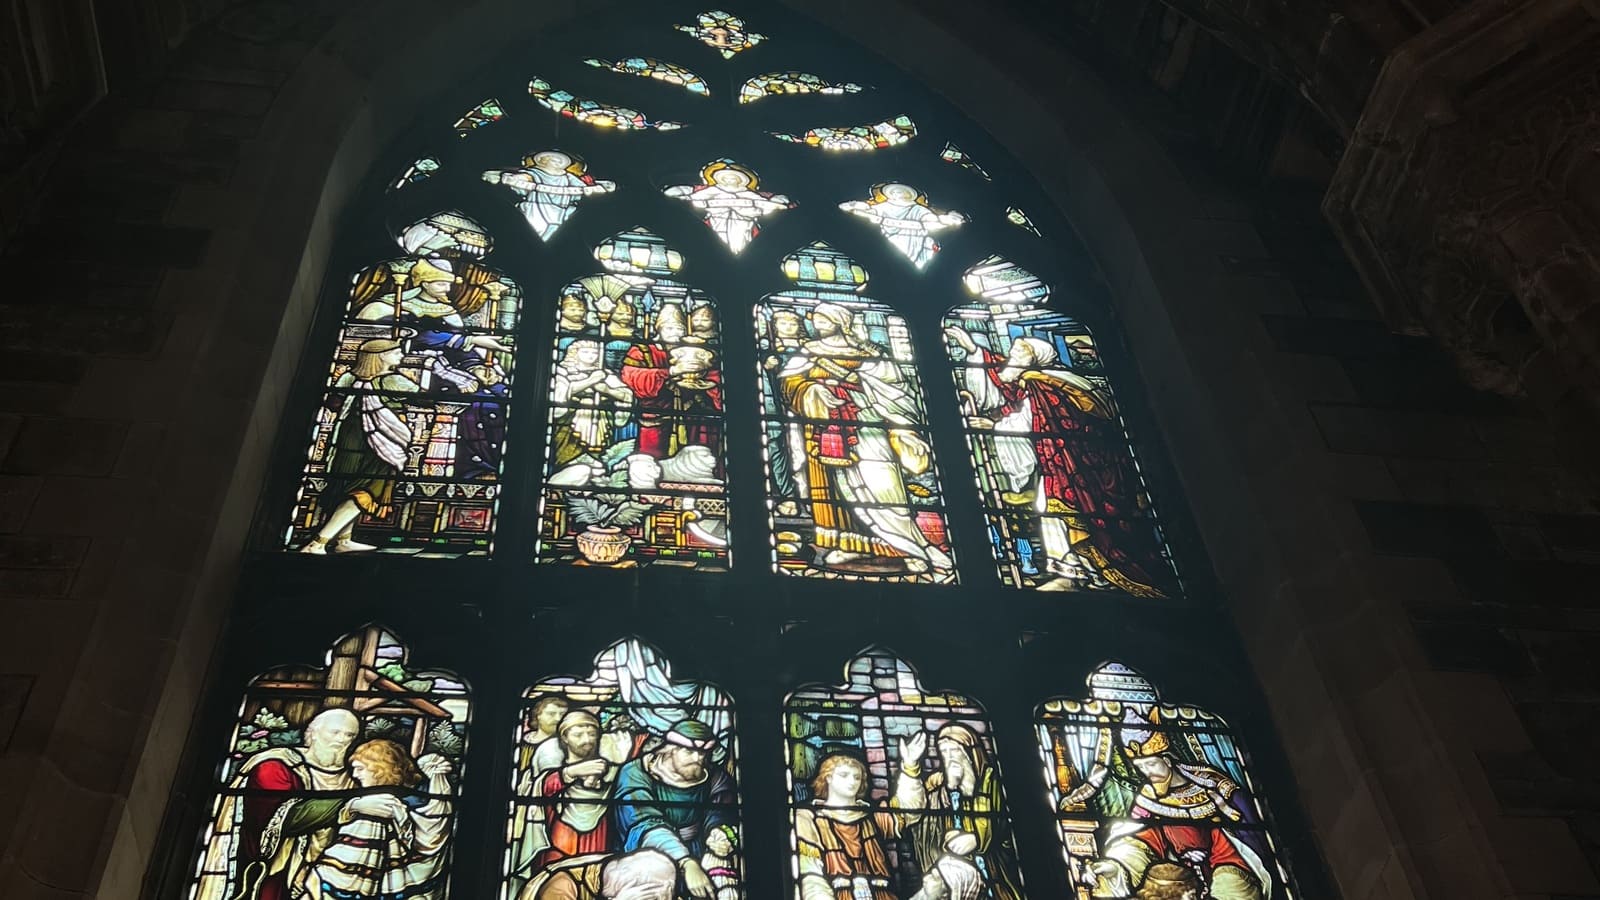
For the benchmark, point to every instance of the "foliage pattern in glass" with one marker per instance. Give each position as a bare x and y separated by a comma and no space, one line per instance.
593,112
1067,505
854,485
407,445
885,134
722,31
953,154
486,113
419,171
636,449
625,779
895,791
1152,799
1020,219
778,84
646,67
339,781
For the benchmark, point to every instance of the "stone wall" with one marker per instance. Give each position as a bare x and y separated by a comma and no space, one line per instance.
1405,557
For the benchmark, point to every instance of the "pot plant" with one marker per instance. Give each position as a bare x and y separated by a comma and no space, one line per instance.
603,541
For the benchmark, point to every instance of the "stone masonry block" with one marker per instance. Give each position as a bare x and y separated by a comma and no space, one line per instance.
1359,429
1415,529
59,446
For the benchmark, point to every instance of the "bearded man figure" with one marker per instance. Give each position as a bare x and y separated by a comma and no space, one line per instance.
859,424
1057,436
1180,815
964,795
577,790
265,783
673,800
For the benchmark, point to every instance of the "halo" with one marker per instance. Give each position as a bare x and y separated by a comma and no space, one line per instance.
712,168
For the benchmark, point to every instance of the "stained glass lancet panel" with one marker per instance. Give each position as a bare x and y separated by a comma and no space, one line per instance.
895,791
1067,505
339,781
406,448
634,471
1152,799
854,485
626,785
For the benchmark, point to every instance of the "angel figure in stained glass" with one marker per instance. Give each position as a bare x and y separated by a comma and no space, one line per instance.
902,213
551,184
730,202
1174,816
1060,447
858,419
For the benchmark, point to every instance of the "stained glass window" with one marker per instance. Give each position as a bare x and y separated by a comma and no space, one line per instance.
854,483
593,112
406,449
486,113
634,468
339,781
902,213
728,198
1020,219
895,791
1067,505
625,782
778,84
953,154
724,32
419,171
645,67
885,134
1152,799
550,184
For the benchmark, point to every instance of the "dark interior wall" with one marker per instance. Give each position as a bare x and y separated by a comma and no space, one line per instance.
1407,560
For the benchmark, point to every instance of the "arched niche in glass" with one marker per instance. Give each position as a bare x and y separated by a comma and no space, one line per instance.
895,791
853,482
406,449
339,780
1066,502
625,784
635,457
1153,800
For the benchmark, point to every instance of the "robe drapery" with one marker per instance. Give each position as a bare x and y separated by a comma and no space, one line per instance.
266,782
1084,473
578,823
671,409
674,820
983,814
855,450
356,464
848,854
373,858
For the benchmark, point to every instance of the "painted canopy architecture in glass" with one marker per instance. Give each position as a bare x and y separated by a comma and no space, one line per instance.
1152,799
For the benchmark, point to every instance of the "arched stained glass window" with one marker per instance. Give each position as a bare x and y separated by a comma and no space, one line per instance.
854,484
895,790
339,780
407,445
1067,505
1154,799
625,778
635,454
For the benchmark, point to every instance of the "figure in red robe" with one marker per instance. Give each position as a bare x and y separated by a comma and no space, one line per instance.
577,792
1057,440
678,387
